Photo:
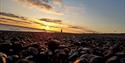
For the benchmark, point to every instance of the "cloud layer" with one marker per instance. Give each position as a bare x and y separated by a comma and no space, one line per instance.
43,5
12,19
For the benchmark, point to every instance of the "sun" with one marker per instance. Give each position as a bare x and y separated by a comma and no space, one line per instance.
47,27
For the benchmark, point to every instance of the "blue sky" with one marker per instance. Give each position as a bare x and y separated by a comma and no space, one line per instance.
104,16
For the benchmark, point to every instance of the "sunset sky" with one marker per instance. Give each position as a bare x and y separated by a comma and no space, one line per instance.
105,16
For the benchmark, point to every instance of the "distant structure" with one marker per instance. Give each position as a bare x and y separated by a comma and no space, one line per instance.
61,30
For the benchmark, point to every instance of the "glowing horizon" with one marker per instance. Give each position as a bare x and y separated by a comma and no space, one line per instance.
37,24
78,16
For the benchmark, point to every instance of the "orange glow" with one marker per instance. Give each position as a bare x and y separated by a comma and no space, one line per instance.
36,24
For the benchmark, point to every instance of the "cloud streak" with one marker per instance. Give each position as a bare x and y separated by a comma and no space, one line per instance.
11,15
51,20
81,28
42,5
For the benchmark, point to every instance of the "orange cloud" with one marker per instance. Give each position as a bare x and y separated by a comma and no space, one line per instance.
57,2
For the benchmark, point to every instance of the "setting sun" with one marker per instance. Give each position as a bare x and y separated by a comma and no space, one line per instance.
47,27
